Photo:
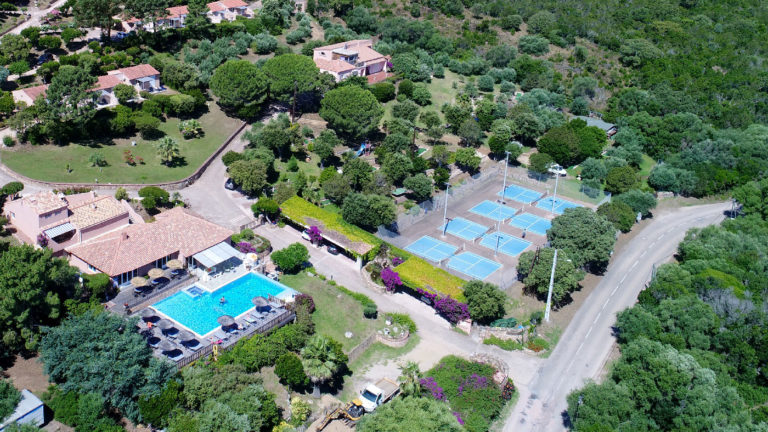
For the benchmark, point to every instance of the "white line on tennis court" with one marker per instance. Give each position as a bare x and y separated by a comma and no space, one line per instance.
622,279
614,290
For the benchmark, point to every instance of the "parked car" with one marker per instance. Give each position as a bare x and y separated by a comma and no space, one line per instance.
230,184
305,236
333,250
557,169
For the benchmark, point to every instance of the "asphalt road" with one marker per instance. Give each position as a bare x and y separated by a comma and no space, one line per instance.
586,343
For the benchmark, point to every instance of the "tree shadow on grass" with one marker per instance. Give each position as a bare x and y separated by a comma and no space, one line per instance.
176,162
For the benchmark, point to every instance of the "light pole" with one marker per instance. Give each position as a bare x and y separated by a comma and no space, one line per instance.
551,285
445,209
504,187
554,195
498,238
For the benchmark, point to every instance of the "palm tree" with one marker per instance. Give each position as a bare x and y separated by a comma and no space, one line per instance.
409,379
319,361
168,149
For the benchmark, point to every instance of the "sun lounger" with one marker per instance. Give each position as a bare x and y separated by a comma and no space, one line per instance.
176,357
218,334
250,318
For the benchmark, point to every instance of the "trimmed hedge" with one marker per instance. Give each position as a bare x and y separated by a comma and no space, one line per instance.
297,209
415,273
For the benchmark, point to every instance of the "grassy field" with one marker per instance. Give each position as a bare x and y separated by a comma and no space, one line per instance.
50,162
329,304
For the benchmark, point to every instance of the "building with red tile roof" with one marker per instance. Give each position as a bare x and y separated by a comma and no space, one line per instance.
64,220
135,249
218,11
143,77
351,58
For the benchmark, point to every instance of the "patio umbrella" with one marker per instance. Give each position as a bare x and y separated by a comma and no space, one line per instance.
185,335
226,320
166,345
175,264
259,302
164,324
156,273
138,282
147,313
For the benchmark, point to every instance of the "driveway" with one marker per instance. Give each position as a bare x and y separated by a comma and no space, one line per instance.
586,343
36,16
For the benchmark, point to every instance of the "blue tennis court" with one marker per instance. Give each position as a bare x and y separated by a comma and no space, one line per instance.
507,244
532,223
520,194
463,228
431,249
559,207
492,210
473,265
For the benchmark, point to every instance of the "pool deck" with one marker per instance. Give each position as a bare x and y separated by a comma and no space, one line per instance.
270,321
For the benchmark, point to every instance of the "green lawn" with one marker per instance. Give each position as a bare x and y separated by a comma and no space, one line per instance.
50,162
335,313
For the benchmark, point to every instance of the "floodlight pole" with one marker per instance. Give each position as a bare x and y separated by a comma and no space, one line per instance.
504,187
498,238
551,285
554,195
445,209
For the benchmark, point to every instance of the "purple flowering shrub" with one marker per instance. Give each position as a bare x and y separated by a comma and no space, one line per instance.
246,247
469,389
315,235
42,240
429,386
450,309
396,261
391,279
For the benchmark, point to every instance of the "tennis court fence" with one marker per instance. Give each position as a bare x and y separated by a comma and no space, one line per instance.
565,188
437,202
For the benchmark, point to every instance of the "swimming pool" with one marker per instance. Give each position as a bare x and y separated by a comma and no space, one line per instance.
198,309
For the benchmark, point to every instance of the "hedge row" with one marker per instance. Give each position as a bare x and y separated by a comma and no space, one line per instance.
415,272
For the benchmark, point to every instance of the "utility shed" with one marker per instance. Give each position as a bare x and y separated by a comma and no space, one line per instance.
29,411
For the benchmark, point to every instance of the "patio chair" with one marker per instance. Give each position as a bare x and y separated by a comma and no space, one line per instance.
176,357
219,334
250,318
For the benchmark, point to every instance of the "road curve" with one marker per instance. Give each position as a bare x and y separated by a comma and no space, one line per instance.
587,341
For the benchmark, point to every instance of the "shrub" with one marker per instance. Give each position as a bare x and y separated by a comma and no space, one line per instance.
537,344
121,194
534,44
421,95
291,372
292,258
306,301
404,320
384,91
231,156
506,345
370,311
9,398
266,206
469,389
405,88
485,83
8,141
446,306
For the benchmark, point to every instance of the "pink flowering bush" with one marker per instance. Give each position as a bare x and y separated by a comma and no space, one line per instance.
246,247
469,389
450,309
315,235
396,261
391,279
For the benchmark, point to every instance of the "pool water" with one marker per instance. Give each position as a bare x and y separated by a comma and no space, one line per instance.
199,310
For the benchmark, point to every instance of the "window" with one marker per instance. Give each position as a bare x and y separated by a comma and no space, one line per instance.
92,268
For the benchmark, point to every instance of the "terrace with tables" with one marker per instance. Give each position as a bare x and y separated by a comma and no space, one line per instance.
171,340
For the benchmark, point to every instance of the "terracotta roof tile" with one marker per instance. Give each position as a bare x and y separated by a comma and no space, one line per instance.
333,65
44,202
233,3
348,44
96,211
139,71
134,246
105,82
177,11
365,53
